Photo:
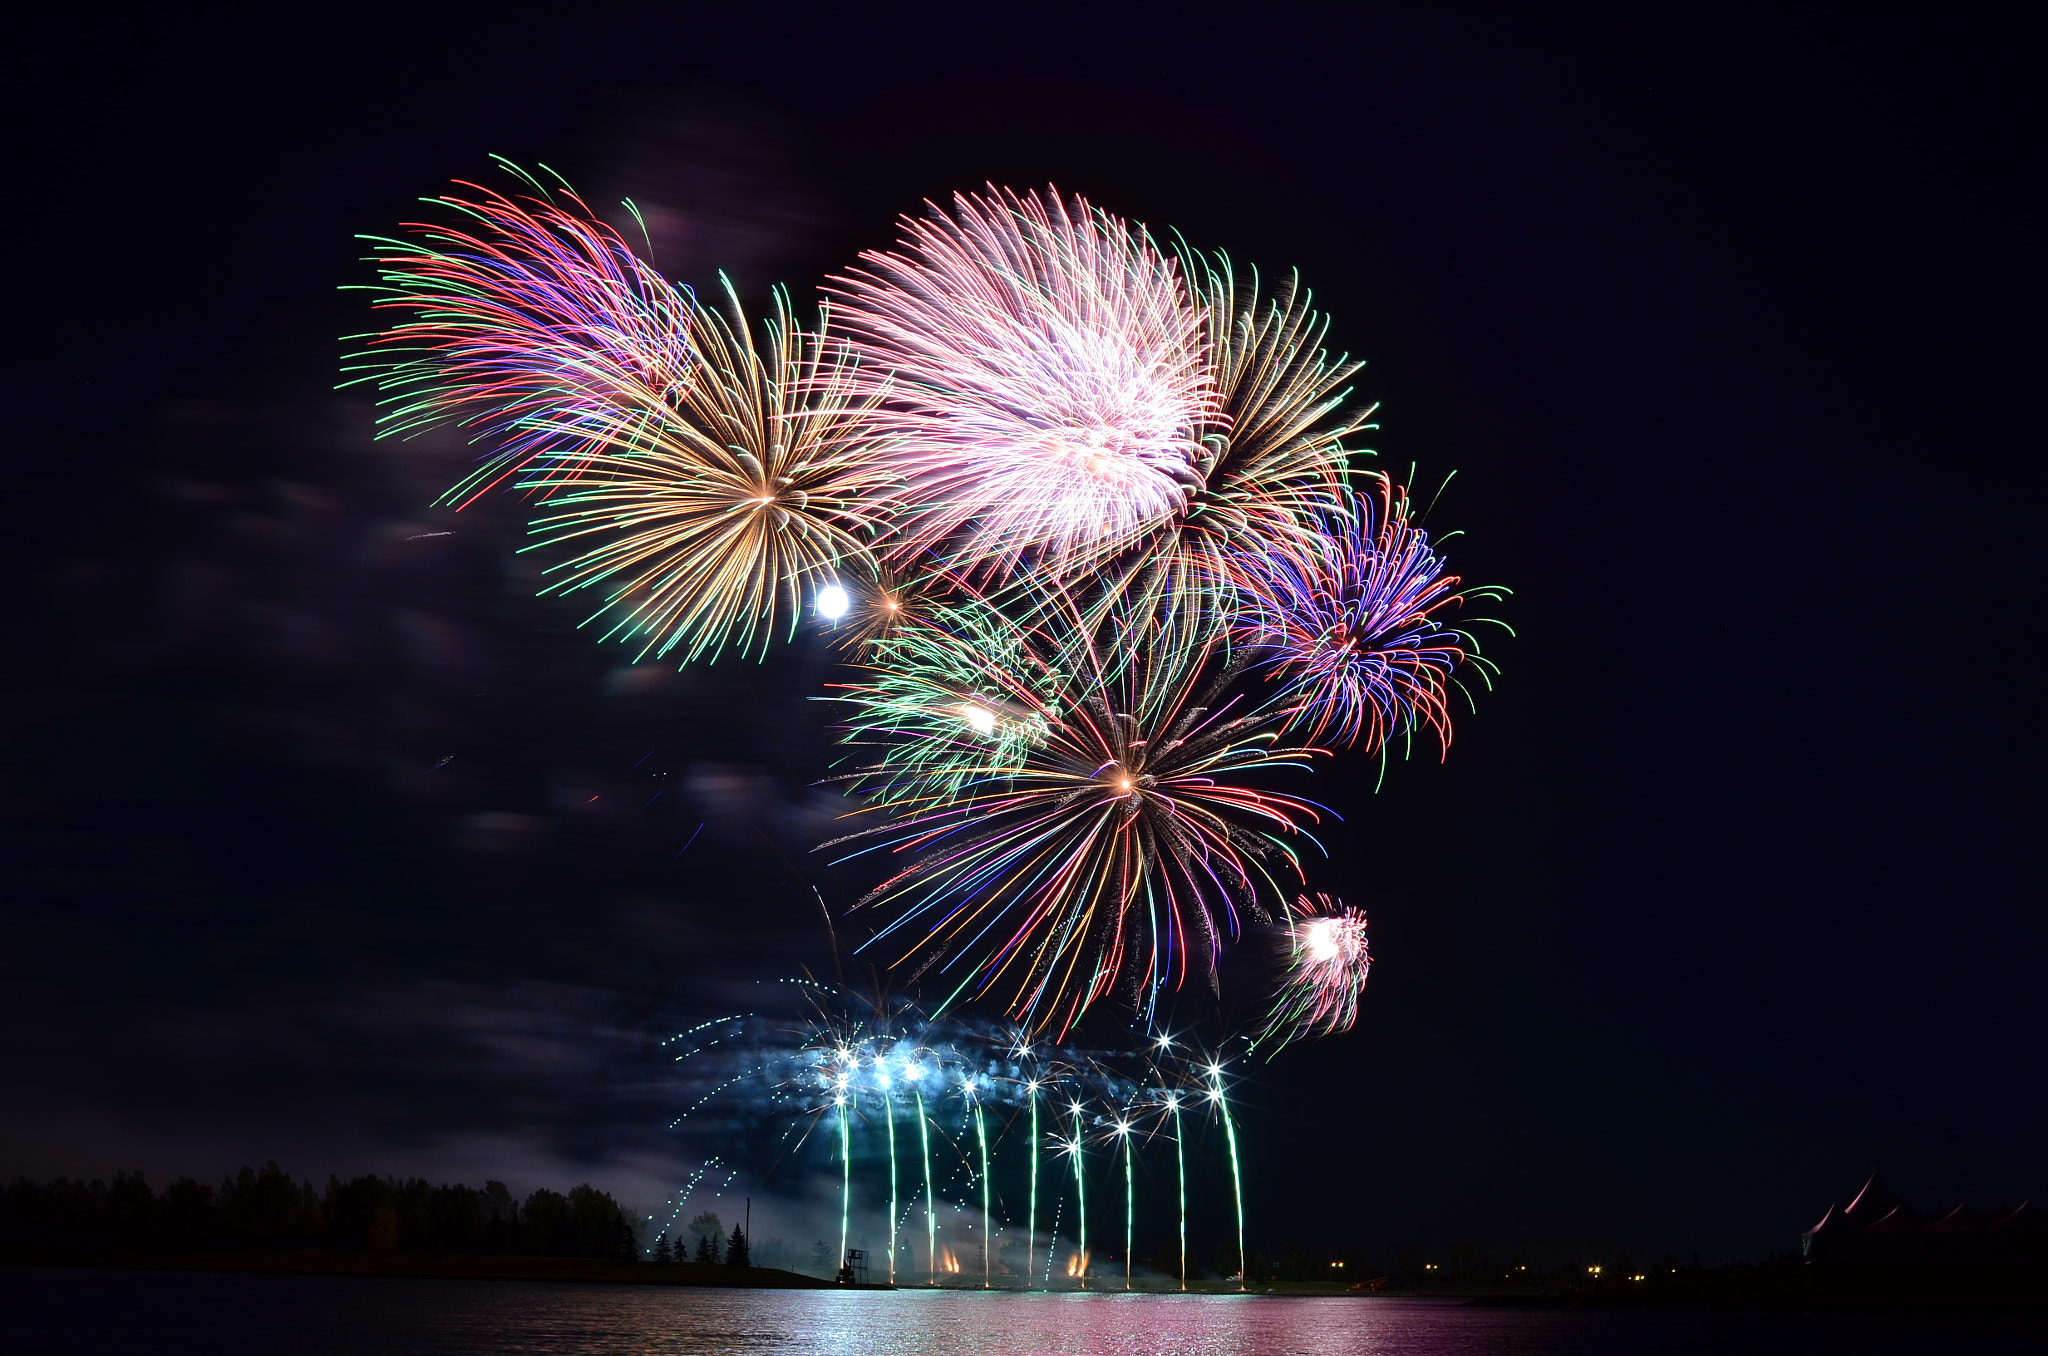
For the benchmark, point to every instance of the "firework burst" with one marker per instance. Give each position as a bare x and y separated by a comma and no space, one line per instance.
1275,460
1079,817
535,326
1348,622
1043,372
1327,964
713,529
1055,490
882,600
701,479
1272,469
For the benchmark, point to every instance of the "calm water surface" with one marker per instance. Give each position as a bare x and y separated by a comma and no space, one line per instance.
139,1314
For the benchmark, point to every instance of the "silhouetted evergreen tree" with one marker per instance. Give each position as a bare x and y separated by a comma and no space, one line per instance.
662,1255
709,1230
736,1249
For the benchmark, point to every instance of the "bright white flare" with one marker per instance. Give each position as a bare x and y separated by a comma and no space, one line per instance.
979,719
833,602
1320,940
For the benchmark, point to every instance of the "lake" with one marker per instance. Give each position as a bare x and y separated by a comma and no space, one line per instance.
145,1313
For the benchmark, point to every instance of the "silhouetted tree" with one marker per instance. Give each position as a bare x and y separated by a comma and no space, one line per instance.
736,1249
189,1221
264,1209
709,1230
662,1256
131,1214
544,1223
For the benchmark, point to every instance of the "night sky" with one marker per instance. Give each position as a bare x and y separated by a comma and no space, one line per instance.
325,841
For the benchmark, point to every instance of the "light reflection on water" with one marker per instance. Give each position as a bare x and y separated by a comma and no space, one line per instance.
136,1313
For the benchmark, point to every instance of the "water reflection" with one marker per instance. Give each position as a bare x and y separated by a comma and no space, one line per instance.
129,1312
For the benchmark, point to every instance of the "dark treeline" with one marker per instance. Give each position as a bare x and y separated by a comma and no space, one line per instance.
263,1209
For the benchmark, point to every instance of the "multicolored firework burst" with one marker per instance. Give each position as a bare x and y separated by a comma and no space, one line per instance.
702,479
1348,622
1081,816
537,327
712,531
1327,964
1054,489
1274,466
1042,368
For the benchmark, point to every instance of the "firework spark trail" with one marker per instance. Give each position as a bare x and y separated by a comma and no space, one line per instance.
891,1112
931,1224
682,1198
1031,1209
846,1066
1123,1131
1044,373
1348,623
846,1178
1080,1196
1180,1164
1327,963
981,1138
1236,1173
1075,823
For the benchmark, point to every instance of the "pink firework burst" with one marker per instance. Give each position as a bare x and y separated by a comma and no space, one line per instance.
1327,964
1045,373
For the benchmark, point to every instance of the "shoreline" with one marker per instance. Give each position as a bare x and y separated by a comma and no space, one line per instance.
1801,1290
431,1266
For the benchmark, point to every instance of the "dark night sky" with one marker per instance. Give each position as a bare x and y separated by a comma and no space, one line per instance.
1725,319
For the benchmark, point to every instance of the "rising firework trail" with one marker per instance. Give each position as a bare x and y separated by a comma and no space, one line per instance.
890,1111
1123,1131
1180,1167
931,1219
1031,1209
845,1178
981,1138
1080,1198
1236,1173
